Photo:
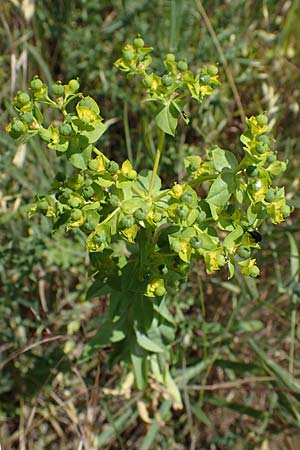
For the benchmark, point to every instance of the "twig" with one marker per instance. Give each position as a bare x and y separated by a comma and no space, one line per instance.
25,349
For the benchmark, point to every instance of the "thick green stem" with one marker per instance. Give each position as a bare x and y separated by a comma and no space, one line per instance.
161,141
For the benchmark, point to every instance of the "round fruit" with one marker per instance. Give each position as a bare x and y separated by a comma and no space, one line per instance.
128,55
261,148
65,129
156,217
182,65
23,98
18,126
170,57
112,167
73,85
196,242
285,210
263,138
74,202
138,42
27,117
270,196
205,79
244,252
271,158
76,214
262,120
113,200
36,84
140,214
57,89
212,70
166,80
160,291
126,222
252,171
43,205
88,191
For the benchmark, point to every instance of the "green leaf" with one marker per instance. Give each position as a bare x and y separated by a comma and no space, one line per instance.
139,363
144,179
100,340
79,152
232,238
222,189
94,131
167,119
241,409
223,159
146,343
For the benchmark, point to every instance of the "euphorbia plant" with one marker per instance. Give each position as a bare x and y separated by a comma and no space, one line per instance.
141,237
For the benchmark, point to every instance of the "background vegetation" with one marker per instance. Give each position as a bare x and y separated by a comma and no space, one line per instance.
237,348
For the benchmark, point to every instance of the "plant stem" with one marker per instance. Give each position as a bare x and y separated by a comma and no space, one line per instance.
161,141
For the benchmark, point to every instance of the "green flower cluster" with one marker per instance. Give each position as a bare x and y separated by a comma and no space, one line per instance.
141,237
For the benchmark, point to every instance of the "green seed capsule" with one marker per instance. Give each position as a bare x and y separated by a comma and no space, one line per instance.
114,200
36,84
23,98
74,202
182,65
160,291
18,126
138,42
244,252
128,55
28,118
57,89
76,214
196,242
65,129
140,214
263,138
261,148
112,167
170,57
212,70
271,158
166,80
126,222
205,79
88,191
73,85
43,205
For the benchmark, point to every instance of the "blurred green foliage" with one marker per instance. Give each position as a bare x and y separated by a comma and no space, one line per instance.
237,348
